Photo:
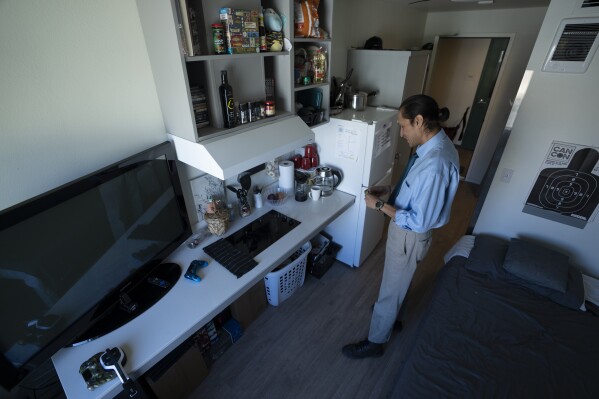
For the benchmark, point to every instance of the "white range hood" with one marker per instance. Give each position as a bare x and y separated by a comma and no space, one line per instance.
228,155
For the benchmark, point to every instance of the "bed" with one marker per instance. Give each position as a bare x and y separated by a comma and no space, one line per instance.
506,319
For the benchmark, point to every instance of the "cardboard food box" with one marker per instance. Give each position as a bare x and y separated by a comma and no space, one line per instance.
250,305
241,30
179,374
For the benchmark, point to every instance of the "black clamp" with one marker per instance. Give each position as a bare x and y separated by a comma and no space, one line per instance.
113,359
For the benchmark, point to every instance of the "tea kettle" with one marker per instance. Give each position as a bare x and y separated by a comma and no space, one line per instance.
327,178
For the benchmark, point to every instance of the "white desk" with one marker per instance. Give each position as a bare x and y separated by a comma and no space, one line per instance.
188,306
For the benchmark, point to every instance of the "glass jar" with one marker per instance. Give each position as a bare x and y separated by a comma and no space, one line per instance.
243,113
319,66
269,108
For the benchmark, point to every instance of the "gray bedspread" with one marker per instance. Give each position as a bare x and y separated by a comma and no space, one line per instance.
485,338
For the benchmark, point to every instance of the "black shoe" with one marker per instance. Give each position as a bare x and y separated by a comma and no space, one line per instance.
363,349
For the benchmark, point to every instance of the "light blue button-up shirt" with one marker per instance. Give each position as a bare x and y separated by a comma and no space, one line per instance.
425,198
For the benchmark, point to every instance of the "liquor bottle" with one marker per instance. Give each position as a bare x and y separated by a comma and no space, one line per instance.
262,31
227,102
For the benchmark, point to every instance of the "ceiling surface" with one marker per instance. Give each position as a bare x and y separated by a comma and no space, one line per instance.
448,5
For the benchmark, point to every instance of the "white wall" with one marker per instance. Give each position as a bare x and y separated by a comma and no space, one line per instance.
76,94
557,106
355,21
525,24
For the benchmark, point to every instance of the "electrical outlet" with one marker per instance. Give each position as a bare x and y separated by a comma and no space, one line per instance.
506,175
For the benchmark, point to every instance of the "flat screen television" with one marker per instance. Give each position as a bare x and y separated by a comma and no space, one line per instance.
85,258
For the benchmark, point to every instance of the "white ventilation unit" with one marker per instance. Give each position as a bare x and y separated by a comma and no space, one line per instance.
573,46
590,3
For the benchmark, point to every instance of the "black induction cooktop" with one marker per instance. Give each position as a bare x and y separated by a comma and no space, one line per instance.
236,251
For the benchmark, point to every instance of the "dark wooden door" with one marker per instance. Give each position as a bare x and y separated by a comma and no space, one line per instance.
484,90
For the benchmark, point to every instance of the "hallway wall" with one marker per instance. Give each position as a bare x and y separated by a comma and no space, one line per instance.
458,65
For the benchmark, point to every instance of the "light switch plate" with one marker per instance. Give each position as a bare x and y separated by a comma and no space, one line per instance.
506,175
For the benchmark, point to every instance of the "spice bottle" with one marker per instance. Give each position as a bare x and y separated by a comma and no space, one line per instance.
243,114
257,111
262,31
269,109
218,38
251,115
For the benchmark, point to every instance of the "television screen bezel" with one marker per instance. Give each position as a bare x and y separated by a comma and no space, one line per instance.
10,376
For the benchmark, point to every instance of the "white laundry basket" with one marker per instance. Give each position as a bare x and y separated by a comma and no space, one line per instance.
281,284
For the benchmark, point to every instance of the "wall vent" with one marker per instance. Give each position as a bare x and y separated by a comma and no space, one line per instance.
590,3
573,46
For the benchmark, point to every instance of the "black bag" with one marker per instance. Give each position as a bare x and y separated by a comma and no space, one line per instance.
452,131
374,43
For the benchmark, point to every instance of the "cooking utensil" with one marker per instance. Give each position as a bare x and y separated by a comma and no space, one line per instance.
242,196
342,89
306,163
358,100
245,180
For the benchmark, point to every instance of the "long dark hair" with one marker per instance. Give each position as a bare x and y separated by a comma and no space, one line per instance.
424,105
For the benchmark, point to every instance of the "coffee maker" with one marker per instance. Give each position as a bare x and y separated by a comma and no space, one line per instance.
327,178
301,186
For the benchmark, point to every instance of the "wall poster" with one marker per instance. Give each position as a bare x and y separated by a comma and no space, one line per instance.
204,188
567,188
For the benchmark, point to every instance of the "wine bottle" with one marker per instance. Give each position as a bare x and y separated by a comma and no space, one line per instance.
227,102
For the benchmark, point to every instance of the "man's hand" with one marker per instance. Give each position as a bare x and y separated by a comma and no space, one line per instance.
370,200
379,191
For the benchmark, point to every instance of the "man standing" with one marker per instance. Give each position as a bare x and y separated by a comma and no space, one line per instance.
420,202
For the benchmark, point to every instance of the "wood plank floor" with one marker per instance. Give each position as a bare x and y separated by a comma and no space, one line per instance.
294,350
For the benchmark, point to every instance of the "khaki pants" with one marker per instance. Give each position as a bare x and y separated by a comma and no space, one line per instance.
404,250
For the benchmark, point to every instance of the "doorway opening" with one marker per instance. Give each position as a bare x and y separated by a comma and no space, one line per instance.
463,77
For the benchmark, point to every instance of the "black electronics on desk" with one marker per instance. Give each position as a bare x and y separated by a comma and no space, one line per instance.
84,259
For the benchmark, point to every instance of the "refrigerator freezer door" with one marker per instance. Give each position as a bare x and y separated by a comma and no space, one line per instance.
359,229
371,224
380,150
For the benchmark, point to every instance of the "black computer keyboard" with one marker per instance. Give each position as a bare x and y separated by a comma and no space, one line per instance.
230,257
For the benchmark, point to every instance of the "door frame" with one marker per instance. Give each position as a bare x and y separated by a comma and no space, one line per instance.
477,160
484,91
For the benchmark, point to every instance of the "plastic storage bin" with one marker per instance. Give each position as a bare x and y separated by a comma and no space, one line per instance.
281,284
322,255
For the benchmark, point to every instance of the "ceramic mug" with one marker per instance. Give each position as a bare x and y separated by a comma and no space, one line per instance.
306,163
315,193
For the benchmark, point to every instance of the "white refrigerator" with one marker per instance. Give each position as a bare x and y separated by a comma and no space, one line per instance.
362,145
395,75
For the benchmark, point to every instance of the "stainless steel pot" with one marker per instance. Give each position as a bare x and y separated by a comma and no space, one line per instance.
356,100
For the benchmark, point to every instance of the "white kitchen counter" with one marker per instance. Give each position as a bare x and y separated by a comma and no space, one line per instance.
188,306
